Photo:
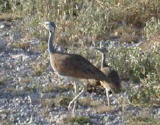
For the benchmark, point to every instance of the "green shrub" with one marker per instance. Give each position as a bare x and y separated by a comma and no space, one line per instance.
140,67
132,62
152,27
81,120
4,5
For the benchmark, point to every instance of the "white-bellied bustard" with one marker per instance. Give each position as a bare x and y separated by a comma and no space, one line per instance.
110,73
72,66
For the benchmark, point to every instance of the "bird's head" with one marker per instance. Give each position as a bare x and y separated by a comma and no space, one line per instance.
49,26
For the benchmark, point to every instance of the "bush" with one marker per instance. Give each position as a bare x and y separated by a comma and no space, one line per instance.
152,27
132,62
4,5
140,67
84,20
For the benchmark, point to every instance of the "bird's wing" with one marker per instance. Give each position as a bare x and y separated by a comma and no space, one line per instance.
76,66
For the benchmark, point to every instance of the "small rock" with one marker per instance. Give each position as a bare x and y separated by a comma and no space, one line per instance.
2,25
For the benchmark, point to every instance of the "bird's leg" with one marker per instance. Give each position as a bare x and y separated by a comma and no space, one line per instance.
76,92
107,94
76,97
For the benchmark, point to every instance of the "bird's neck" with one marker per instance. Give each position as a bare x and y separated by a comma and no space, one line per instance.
50,42
103,63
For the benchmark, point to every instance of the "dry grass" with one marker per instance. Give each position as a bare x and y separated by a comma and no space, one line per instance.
56,88
14,91
143,119
128,34
80,120
2,81
22,45
48,102
38,68
103,108
87,101
63,100
9,16
96,19
5,120
147,45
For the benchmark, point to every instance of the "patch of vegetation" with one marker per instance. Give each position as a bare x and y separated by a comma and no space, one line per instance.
22,45
29,86
84,21
4,5
48,88
38,68
88,102
4,117
80,120
140,120
32,88
48,102
63,101
9,16
14,91
128,34
146,95
103,108
152,27
132,62
43,46
56,88
152,33
2,82
141,67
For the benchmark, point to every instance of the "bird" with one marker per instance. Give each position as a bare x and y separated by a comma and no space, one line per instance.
72,67
111,73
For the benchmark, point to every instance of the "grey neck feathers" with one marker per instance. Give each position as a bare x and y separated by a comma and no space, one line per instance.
103,63
50,42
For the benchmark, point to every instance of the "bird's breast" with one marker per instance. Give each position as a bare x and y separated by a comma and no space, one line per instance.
53,65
